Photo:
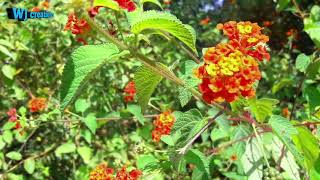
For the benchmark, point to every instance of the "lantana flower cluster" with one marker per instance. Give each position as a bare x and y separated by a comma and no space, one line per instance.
103,172
130,92
162,125
231,69
13,117
80,27
37,104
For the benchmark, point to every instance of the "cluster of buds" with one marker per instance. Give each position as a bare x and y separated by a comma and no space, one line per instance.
103,172
12,113
231,69
162,125
37,104
130,92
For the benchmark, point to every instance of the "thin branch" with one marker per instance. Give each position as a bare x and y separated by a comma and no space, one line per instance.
189,144
301,14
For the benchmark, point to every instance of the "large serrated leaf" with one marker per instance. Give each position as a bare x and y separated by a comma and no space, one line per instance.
261,108
84,62
287,163
163,21
312,25
200,161
285,130
252,160
146,81
188,123
308,145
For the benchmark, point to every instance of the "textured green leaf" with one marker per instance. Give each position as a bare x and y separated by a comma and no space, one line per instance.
252,160
201,162
65,148
5,51
8,71
144,160
2,143
302,62
281,84
282,4
262,108
312,25
84,62
156,2
240,132
308,145
285,130
7,136
86,153
91,122
107,3
14,155
136,111
163,21
288,163
81,105
188,123
29,165
146,82
312,94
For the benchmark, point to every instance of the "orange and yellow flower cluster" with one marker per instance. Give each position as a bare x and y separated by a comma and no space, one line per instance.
230,69
37,104
103,172
162,125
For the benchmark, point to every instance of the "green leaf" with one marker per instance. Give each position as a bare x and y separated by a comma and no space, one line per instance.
262,108
307,144
29,165
84,62
14,155
8,71
282,4
252,160
146,82
281,84
197,158
107,3
217,134
240,132
81,105
91,122
288,164
65,148
136,111
2,143
302,62
5,51
312,25
7,136
86,153
8,125
285,130
312,95
188,123
184,96
168,140
156,2
143,161
163,21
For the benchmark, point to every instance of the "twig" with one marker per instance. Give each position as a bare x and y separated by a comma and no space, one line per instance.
260,145
299,89
283,152
188,145
301,14
230,143
31,157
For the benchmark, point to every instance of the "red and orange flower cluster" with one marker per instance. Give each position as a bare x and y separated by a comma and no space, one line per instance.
12,113
81,27
230,69
130,92
37,104
162,125
102,172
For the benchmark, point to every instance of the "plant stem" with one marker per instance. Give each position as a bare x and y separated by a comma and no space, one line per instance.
189,144
260,144
118,24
